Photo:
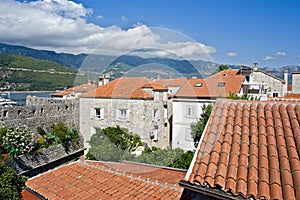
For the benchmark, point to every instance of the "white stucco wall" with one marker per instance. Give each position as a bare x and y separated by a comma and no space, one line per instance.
296,83
181,137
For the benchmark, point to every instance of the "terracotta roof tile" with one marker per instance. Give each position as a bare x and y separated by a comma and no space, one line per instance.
125,88
106,180
258,150
220,84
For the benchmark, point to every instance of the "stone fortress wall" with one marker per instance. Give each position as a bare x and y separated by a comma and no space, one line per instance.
41,112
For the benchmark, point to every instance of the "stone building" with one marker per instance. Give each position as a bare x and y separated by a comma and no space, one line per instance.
135,103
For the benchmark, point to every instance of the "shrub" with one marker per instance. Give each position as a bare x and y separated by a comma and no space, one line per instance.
11,184
17,140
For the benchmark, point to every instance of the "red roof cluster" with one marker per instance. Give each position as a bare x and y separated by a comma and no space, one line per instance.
250,149
126,88
77,89
220,84
107,180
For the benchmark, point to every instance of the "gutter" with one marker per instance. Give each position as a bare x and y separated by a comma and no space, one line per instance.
211,192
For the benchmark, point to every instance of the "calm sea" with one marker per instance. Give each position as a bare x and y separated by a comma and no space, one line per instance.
20,97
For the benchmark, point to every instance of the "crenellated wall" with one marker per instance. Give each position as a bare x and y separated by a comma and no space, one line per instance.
41,112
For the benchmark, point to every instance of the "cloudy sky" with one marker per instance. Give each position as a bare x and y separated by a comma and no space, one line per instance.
224,31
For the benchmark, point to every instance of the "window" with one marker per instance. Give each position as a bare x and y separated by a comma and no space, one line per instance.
122,114
221,84
154,134
97,113
155,114
198,85
191,111
188,136
275,94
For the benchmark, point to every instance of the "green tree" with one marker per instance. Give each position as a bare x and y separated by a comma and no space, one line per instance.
162,157
63,134
184,160
198,127
11,184
17,140
222,67
123,139
113,144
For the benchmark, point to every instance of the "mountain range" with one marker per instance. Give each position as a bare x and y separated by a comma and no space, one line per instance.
131,65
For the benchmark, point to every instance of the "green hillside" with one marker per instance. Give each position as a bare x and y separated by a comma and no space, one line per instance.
17,61
26,73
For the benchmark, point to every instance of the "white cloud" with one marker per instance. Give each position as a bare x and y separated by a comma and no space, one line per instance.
123,18
281,53
61,25
231,54
99,17
268,58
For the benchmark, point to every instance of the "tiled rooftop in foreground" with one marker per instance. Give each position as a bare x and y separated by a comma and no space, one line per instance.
108,180
249,150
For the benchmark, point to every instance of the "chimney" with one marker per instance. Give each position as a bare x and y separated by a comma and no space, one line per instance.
255,67
286,80
101,81
106,79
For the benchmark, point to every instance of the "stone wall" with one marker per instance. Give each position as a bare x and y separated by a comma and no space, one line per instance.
38,162
275,85
140,119
41,112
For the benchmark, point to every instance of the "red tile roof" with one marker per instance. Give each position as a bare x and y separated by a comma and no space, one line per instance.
61,94
83,88
155,86
292,96
77,89
125,88
107,180
171,82
217,85
27,195
250,149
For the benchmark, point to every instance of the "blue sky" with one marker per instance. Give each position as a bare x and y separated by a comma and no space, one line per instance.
232,31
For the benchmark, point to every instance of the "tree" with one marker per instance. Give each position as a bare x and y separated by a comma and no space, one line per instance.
113,144
184,160
222,67
123,139
117,144
17,140
162,157
11,184
63,135
198,127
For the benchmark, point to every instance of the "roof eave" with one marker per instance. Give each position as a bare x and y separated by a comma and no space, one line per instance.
212,192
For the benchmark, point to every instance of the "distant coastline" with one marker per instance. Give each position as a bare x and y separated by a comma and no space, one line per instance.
20,96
